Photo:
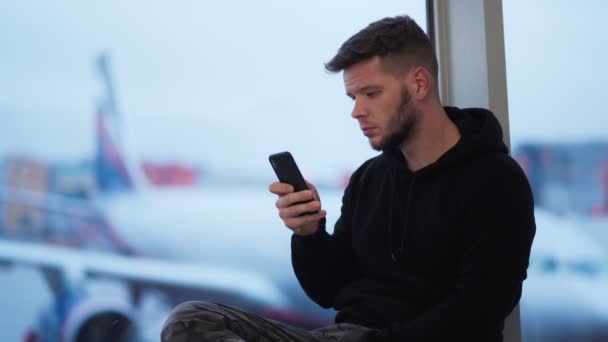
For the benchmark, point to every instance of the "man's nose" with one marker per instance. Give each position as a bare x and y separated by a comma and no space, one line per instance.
359,110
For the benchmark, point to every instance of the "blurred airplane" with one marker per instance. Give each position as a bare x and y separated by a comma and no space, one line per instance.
167,245
564,296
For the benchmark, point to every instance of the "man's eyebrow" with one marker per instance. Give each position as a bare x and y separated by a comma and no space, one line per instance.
364,89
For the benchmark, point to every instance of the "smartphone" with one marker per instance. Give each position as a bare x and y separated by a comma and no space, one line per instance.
287,170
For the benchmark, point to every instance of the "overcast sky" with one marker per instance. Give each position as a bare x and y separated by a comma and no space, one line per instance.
227,83
221,83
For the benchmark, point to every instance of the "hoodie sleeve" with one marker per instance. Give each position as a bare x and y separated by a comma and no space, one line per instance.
491,269
324,263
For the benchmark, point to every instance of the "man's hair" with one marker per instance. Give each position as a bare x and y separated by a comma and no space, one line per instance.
399,40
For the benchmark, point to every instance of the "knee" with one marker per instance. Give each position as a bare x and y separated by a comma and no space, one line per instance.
187,309
188,306
178,318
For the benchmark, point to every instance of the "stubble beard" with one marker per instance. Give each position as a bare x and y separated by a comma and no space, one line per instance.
405,122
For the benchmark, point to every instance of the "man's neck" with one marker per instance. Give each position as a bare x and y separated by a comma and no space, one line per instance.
436,135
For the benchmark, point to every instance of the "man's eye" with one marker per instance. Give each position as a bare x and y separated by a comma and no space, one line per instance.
372,93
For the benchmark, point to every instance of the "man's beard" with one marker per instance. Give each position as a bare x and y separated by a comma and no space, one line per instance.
405,122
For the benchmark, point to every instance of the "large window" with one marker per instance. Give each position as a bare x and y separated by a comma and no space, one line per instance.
143,129
559,132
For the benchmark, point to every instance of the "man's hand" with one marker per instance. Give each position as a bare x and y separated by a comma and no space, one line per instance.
294,206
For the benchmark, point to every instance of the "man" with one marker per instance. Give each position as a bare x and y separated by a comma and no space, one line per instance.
435,233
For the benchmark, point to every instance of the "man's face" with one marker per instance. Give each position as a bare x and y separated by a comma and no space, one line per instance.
383,106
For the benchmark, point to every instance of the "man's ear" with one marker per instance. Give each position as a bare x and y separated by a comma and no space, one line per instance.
419,83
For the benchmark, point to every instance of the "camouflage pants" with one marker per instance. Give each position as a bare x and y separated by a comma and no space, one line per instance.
203,322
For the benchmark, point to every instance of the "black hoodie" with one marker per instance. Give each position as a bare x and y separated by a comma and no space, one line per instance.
433,255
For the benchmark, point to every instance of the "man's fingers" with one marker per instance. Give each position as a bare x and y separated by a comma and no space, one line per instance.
300,222
293,198
295,208
305,225
299,209
280,189
314,190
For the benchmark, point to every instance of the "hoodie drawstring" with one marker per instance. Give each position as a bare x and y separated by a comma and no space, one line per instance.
405,220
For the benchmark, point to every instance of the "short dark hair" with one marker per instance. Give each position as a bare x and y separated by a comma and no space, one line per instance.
399,37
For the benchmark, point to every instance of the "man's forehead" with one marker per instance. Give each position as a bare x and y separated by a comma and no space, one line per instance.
372,64
363,74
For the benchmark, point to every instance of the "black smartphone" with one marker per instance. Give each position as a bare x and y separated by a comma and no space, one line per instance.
287,170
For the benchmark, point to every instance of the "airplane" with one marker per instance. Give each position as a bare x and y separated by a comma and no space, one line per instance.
146,249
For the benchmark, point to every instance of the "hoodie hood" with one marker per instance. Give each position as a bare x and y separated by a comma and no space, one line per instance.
480,134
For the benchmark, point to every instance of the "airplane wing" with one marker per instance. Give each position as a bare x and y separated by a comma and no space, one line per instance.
75,264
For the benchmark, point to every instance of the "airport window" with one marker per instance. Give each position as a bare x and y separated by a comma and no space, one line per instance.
136,129
555,70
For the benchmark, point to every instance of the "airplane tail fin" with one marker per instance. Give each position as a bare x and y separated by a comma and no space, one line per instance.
115,170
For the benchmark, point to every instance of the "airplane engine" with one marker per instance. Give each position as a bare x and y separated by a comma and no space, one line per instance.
90,315
99,319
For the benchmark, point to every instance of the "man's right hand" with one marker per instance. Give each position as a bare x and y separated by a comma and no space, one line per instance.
293,207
